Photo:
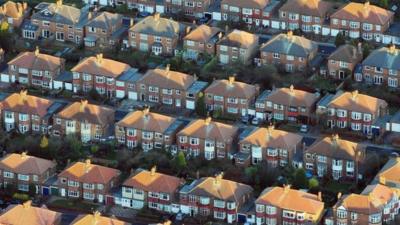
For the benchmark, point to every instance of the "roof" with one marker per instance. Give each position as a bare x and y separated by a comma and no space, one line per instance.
13,9
292,97
206,129
239,38
99,66
158,26
290,199
27,104
131,75
152,181
27,214
334,147
86,172
105,20
364,12
97,219
36,60
60,13
202,33
251,4
272,138
289,44
232,88
166,78
24,164
384,58
353,101
346,53
307,7
216,187
148,121
390,172
83,111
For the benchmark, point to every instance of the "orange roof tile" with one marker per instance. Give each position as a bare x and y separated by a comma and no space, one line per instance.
390,172
37,61
24,164
101,66
308,7
292,97
270,137
166,78
356,102
84,111
97,219
364,12
13,9
28,104
251,4
239,38
232,88
202,33
290,199
26,214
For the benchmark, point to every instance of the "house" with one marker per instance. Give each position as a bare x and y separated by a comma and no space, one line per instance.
14,13
88,181
143,6
355,111
88,121
289,52
191,8
381,67
157,35
35,69
377,204
152,190
97,218
99,73
342,62
287,104
24,171
306,15
201,41
104,30
230,96
170,88
215,197
283,205
361,20
125,84
28,113
203,137
237,46
251,11
270,145
388,175
335,157
56,21
28,214
147,129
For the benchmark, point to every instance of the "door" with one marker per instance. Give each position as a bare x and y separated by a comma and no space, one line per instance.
178,103
45,191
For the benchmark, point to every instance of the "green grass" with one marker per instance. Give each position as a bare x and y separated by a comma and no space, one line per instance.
74,205
337,187
290,127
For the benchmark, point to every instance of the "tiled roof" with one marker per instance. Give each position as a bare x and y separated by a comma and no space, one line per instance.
25,164
166,78
251,4
105,20
364,12
346,53
59,13
147,121
202,33
152,181
158,26
307,7
83,111
292,97
290,199
355,102
26,214
239,38
232,88
388,58
97,65
27,104
86,172
273,138
13,9
97,219
207,129
390,172
289,44
37,61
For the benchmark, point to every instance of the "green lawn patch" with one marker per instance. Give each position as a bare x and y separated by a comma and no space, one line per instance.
76,205
337,187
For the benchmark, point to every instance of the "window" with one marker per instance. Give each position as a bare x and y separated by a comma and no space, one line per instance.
376,218
72,183
341,214
23,187
88,186
73,193
23,177
182,139
276,55
8,174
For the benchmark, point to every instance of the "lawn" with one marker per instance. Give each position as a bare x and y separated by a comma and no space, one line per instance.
76,205
290,127
337,187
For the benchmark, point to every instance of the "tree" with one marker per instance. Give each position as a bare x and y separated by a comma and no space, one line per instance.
32,190
340,39
94,149
93,94
44,143
384,3
201,108
313,183
4,26
300,180
180,161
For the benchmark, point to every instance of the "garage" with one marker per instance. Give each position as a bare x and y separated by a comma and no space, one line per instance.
132,95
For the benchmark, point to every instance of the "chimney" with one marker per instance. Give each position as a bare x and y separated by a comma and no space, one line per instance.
392,49
382,180
167,67
231,80
291,88
25,5
168,222
286,188
96,216
354,95
218,178
290,34
153,170
156,16
270,129
23,155
87,165
37,51
146,111
59,2
22,95
339,195
83,105
220,35
195,78
207,121
367,7
99,58
20,9
188,29
27,204
320,196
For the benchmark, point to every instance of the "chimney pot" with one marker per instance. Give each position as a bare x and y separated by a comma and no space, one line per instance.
231,79
207,121
153,170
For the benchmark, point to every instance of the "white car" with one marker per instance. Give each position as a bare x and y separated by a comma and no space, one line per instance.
304,128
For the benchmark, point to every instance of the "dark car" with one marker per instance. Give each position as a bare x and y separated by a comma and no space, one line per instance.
144,14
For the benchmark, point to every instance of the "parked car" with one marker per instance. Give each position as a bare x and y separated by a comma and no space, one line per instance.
245,119
179,217
144,14
303,128
203,20
256,121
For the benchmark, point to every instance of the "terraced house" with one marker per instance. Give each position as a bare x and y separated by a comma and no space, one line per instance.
34,69
336,157
203,137
88,121
230,96
56,21
201,41
14,13
289,52
88,181
283,205
287,104
157,35
147,129
355,111
361,20
170,88
381,67
250,11
99,73
343,60
151,189
377,204
276,147
216,197
194,8
25,172
237,46
27,113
